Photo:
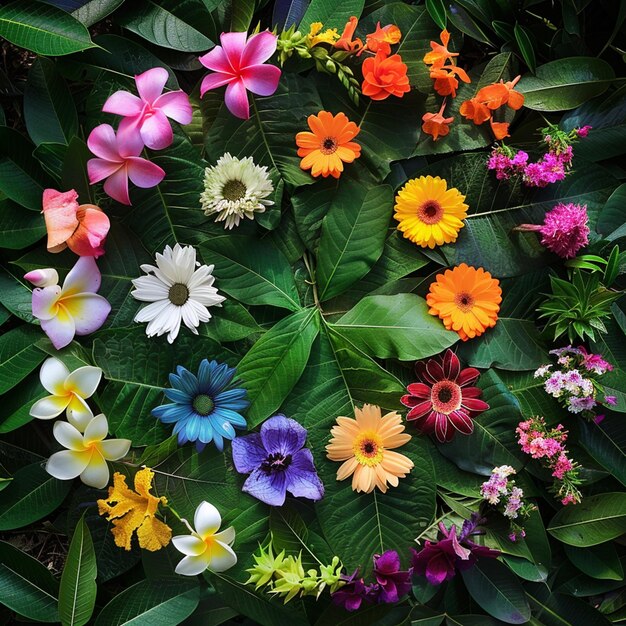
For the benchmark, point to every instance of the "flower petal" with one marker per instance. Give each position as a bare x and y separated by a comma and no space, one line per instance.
282,435
213,81
116,186
233,45
144,173
269,488
261,79
222,557
123,103
52,376
302,479
68,436
99,169
258,49
96,474
83,277
60,329
248,453
175,104
49,407
227,536
78,413
88,239
207,519
150,84
189,545
115,449
103,143
236,99
156,132
89,311
97,429
59,212
67,464
84,381
44,302
192,565
217,61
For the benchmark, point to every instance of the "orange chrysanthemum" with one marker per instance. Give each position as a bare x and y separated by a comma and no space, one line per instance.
440,53
384,76
383,38
435,124
365,445
466,299
329,146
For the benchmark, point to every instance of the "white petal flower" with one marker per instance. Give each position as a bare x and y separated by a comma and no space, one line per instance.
87,454
179,289
235,188
69,390
205,548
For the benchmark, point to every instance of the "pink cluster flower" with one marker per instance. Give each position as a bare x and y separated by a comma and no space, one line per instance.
145,122
548,445
506,162
565,230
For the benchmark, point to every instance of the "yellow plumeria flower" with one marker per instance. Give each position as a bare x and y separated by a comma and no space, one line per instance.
205,548
87,454
69,391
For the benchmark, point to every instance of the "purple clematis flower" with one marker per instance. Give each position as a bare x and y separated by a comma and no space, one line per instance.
393,583
277,462
440,561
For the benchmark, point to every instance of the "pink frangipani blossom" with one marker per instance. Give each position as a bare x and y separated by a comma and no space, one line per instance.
239,64
118,160
145,117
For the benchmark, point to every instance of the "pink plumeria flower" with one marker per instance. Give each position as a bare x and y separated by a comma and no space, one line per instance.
146,117
239,64
75,308
118,160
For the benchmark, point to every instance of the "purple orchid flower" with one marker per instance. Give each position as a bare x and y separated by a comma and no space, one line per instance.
440,561
277,462
393,583
354,592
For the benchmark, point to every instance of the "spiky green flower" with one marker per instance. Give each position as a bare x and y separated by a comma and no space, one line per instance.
266,565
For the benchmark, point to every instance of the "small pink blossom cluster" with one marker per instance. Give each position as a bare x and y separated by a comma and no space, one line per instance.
548,446
145,122
501,492
552,167
574,383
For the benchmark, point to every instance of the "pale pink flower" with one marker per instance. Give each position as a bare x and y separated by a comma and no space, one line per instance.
118,161
75,308
145,117
239,64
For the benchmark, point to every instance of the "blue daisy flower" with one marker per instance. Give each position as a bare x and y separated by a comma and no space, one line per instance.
205,407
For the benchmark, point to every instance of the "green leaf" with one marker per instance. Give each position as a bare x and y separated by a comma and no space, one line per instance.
331,14
353,236
606,443
49,109
613,216
395,327
16,404
601,561
565,83
252,271
16,295
18,355
42,28
595,520
51,157
145,603
437,11
32,495
26,586
95,10
274,364
525,45
77,593
21,177
242,14
513,344
496,590
161,27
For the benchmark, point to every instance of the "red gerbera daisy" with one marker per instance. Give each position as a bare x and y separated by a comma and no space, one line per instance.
443,402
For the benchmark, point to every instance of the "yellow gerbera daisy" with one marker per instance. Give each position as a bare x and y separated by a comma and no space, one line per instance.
430,214
365,445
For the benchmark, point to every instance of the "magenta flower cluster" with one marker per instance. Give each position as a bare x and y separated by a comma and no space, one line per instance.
564,230
548,446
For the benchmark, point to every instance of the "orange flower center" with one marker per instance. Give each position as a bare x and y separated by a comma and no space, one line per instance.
446,397
329,146
464,301
368,448
430,212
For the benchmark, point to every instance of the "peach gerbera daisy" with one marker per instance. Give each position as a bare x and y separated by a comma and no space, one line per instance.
467,299
329,145
365,445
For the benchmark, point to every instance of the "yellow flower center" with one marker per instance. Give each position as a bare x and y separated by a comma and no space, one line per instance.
430,212
464,301
329,146
368,448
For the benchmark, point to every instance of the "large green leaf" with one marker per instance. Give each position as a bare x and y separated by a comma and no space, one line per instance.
252,270
595,520
26,586
514,344
77,593
136,368
19,227
606,443
353,236
93,11
275,362
331,14
49,110
395,327
145,603
32,495
601,561
565,83
496,590
42,28
613,216
161,27
19,355
17,402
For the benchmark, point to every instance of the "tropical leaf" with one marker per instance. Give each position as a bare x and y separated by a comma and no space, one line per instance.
329,13
19,228
19,356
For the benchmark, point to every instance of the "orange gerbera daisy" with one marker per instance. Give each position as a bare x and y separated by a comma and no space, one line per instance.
467,299
384,76
435,124
365,445
329,146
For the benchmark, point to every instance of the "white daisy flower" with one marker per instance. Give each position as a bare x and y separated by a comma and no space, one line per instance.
235,188
179,289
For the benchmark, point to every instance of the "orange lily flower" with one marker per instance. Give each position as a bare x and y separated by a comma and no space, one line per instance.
446,82
475,110
346,42
435,124
440,53
383,38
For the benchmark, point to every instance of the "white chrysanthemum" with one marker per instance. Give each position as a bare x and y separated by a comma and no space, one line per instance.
235,188
179,290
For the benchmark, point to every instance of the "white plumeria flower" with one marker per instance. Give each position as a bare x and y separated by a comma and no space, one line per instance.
180,291
205,548
69,391
234,189
87,454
